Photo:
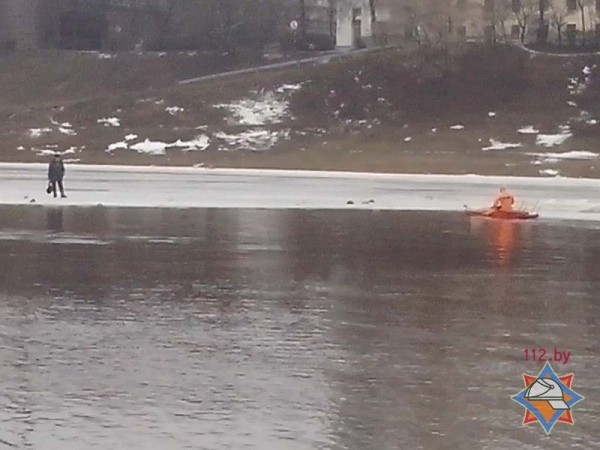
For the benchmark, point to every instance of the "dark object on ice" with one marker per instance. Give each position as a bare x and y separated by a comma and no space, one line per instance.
49,189
349,202
371,201
32,200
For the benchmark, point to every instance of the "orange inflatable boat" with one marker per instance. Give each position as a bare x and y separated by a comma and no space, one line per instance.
499,214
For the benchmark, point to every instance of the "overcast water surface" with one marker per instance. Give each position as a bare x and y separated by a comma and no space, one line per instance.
233,329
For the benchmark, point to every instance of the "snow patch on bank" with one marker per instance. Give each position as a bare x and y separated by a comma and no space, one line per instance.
110,121
528,129
266,109
497,145
549,172
550,140
38,132
572,155
255,140
173,110
199,143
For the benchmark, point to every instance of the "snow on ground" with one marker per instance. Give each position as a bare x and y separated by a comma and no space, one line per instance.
110,121
255,139
267,108
549,172
550,140
457,127
118,146
149,147
572,155
86,185
51,152
173,110
264,108
528,129
38,132
497,145
67,131
288,87
201,142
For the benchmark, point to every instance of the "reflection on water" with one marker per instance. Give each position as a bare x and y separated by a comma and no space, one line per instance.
229,329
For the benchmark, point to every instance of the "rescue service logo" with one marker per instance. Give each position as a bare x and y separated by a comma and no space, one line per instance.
548,398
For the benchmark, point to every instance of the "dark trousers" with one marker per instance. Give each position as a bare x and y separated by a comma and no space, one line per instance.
60,186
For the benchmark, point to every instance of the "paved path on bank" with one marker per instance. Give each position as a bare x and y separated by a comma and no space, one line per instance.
322,58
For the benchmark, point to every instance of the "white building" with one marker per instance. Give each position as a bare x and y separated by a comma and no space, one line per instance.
354,23
364,22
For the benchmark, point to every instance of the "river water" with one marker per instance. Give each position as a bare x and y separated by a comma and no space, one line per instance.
261,329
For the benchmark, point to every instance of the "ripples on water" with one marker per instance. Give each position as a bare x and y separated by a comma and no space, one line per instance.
230,329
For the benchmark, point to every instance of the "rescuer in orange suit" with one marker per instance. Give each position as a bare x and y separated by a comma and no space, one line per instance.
504,201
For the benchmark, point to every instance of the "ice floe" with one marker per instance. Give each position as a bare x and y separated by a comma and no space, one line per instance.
131,137
457,127
497,145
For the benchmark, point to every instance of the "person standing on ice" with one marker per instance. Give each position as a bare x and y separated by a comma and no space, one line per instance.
504,201
56,172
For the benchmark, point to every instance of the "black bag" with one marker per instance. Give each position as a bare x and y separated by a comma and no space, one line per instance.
49,189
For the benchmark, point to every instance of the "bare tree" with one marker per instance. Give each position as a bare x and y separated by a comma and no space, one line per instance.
582,5
496,13
558,16
523,10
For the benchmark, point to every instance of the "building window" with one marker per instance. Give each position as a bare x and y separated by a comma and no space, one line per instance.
356,14
515,31
571,5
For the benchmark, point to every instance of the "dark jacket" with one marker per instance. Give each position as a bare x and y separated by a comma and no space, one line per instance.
56,171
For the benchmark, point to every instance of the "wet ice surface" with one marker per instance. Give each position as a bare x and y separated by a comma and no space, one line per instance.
230,329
